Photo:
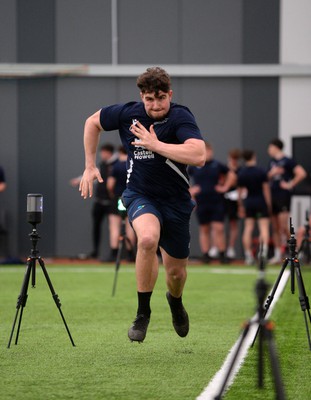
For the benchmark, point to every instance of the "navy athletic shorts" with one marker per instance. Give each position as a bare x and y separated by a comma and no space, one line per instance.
256,207
210,212
173,215
281,204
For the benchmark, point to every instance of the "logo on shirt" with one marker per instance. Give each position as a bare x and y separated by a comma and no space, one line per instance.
139,208
160,122
138,147
129,171
140,152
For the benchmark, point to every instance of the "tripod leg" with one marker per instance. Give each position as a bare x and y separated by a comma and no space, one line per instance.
292,277
271,297
260,355
303,298
278,384
55,297
118,261
224,384
21,300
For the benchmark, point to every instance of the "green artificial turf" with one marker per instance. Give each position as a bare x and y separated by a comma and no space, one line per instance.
104,364
292,347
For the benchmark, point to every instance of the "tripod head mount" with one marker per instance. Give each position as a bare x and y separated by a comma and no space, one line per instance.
34,237
292,240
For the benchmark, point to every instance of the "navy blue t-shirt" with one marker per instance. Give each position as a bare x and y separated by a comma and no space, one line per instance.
147,172
289,165
252,178
119,173
207,177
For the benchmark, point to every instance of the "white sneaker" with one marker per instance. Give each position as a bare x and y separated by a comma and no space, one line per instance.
231,252
213,252
276,259
249,259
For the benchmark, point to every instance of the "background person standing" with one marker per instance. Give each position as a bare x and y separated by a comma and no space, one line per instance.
116,184
210,182
102,206
231,204
256,207
284,174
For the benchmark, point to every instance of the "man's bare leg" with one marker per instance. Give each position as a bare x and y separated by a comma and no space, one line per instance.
147,229
176,275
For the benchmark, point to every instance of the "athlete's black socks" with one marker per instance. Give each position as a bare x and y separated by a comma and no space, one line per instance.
144,303
175,302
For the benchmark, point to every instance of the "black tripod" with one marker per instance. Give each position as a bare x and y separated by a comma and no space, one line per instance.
304,250
265,337
294,268
31,271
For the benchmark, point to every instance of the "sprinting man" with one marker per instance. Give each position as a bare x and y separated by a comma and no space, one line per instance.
161,139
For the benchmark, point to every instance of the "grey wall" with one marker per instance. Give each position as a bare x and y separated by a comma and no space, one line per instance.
41,120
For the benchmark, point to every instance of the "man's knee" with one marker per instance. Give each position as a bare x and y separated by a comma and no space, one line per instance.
176,273
148,242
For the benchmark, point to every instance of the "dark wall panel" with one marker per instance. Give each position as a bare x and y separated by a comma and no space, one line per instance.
184,32
261,25
211,32
83,31
260,115
148,31
7,31
36,31
9,158
37,157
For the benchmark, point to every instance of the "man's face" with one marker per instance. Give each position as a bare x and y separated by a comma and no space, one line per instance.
158,106
105,155
272,150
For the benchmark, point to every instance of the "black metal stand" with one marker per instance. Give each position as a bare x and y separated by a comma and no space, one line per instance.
265,337
294,269
31,272
304,251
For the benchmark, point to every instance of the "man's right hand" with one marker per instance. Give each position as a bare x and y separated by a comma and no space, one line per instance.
86,184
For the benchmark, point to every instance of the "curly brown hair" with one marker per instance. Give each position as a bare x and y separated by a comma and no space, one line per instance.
153,80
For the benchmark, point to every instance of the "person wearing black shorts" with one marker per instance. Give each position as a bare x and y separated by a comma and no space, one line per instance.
231,204
116,184
256,206
161,139
284,174
210,182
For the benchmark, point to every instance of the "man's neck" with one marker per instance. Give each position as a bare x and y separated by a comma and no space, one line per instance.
250,163
279,155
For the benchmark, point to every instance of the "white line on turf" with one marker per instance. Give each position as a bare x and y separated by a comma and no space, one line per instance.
214,387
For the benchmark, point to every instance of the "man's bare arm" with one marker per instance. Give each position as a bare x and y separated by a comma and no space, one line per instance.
2,186
299,175
92,129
